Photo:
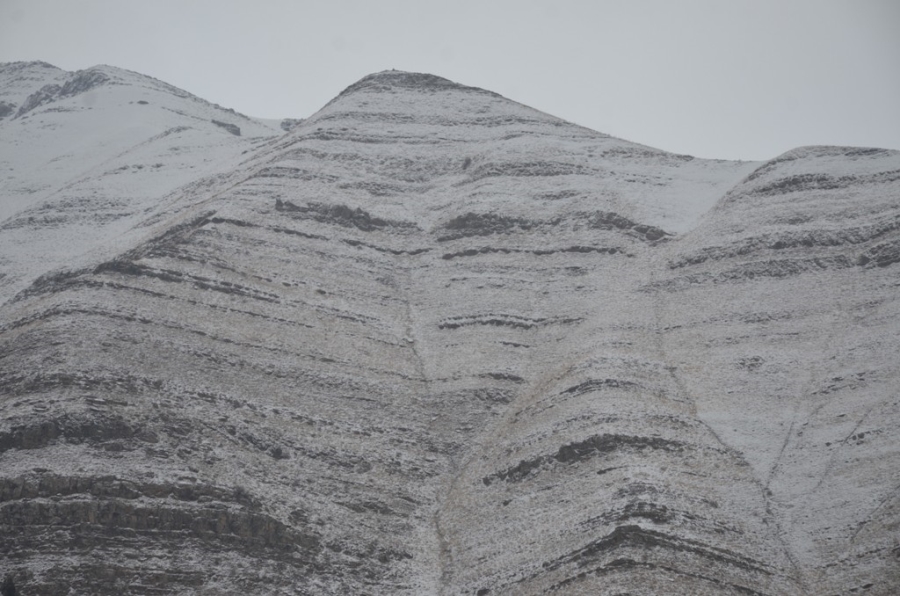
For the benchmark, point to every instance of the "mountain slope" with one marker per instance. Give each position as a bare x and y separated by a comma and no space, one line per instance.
431,341
87,155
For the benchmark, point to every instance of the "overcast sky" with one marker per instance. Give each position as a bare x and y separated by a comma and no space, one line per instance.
726,78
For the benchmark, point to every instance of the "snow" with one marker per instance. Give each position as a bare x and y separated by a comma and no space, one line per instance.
515,349
101,160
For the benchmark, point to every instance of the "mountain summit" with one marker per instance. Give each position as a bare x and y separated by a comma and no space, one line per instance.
388,80
432,341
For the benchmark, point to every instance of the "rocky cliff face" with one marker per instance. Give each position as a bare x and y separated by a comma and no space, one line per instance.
431,341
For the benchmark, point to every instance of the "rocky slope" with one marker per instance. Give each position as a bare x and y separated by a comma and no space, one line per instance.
87,155
431,341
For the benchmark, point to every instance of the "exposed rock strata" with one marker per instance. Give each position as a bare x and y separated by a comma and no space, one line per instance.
431,341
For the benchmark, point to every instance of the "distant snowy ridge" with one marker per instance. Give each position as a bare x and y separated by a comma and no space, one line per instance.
89,154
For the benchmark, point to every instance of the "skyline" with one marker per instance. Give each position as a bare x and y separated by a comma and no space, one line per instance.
748,81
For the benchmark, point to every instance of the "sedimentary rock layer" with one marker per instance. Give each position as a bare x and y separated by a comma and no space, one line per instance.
431,341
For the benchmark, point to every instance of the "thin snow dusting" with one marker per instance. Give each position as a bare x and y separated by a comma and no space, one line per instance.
432,341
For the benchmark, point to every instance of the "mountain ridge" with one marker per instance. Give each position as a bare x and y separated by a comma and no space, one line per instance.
432,341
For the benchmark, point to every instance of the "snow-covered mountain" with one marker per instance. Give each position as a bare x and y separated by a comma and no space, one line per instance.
87,155
432,341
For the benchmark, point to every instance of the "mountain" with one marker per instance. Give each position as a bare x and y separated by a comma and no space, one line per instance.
432,341
88,155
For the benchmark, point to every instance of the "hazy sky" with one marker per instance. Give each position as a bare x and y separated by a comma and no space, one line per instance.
727,78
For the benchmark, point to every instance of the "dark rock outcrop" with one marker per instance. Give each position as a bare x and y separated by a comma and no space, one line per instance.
232,128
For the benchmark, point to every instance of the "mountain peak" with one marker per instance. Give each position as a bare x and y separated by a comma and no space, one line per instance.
26,65
391,80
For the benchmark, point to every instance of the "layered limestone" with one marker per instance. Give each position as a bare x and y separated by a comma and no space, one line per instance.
432,341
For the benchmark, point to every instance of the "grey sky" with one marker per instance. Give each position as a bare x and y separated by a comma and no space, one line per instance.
728,78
